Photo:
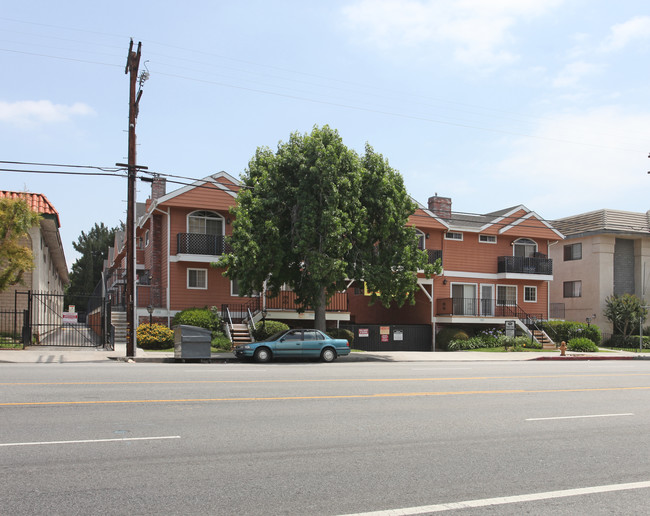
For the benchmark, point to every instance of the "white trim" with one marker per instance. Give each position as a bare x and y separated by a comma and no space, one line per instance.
199,258
197,270
454,233
496,297
524,298
487,241
216,216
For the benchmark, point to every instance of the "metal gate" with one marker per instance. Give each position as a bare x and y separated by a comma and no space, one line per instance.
391,337
48,323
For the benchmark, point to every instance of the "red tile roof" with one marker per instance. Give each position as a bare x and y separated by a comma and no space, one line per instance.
37,202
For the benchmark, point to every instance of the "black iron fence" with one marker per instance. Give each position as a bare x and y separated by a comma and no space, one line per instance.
525,265
434,254
196,243
12,323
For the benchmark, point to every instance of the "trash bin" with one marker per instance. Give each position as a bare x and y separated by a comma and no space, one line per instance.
191,342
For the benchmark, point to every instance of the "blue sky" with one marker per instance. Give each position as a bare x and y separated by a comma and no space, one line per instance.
492,103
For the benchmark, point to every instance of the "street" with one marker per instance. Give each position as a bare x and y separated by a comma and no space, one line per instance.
310,438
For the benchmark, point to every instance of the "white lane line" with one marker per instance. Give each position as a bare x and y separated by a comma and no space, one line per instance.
576,417
505,500
82,441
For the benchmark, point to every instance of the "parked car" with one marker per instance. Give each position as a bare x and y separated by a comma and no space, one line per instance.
295,343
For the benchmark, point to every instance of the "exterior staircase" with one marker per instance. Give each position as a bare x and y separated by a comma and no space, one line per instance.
118,320
544,339
240,334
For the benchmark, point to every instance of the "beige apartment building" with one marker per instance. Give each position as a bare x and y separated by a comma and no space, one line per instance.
605,252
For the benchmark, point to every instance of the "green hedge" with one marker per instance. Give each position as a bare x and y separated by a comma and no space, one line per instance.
566,330
446,335
202,317
264,330
581,344
632,342
340,333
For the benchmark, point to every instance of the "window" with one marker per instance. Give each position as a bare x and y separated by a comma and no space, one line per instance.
293,335
313,335
487,239
421,239
524,247
205,223
450,235
146,238
506,295
197,278
234,289
573,252
530,294
572,288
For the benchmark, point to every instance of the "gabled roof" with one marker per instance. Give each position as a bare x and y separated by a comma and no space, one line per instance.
211,179
499,221
604,221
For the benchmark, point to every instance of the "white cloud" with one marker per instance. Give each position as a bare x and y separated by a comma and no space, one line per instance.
581,162
478,31
574,72
622,34
30,113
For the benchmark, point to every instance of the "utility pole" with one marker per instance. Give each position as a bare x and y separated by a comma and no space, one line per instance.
132,66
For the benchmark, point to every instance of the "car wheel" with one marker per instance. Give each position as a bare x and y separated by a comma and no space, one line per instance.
328,355
262,355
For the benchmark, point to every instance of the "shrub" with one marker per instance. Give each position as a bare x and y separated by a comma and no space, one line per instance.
268,328
446,335
154,336
522,343
201,317
632,342
566,330
581,344
340,333
465,344
220,341
492,337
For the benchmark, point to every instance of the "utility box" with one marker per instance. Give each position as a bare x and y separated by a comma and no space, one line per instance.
191,342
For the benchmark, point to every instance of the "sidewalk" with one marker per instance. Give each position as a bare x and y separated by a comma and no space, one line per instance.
66,355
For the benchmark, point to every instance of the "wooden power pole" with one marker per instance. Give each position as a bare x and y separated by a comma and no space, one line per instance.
132,66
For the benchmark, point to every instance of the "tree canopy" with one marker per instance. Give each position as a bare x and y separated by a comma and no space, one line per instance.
625,313
16,219
87,269
315,215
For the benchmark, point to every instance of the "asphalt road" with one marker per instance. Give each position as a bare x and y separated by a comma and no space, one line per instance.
309,439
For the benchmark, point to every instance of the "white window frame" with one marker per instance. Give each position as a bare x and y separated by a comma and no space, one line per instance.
422,239
213,215
496,294
524,241
490,239
534,290
146,238
447,237
204,271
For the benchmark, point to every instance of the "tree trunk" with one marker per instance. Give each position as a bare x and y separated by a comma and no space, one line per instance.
319,311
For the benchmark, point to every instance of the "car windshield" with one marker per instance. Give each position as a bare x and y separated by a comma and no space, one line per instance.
275,336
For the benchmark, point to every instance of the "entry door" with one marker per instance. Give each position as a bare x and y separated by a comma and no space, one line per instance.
487,300
464,299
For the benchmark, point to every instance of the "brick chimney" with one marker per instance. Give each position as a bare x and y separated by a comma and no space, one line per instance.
440,206
158,187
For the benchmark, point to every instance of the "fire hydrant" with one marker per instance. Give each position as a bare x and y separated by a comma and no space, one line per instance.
563,349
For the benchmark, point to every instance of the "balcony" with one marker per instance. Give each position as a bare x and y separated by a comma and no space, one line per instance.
512,265
483,308
200,244
286,301
434,254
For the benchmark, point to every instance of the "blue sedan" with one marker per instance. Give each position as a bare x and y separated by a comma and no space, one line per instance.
295,343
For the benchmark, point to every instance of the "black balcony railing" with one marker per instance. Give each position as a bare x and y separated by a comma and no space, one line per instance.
434,254
486,307
197,243
525,265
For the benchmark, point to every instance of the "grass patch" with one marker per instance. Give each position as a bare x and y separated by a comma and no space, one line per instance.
10,343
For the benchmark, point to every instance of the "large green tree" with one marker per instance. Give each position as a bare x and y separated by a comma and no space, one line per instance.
87,269
314,215
16,219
